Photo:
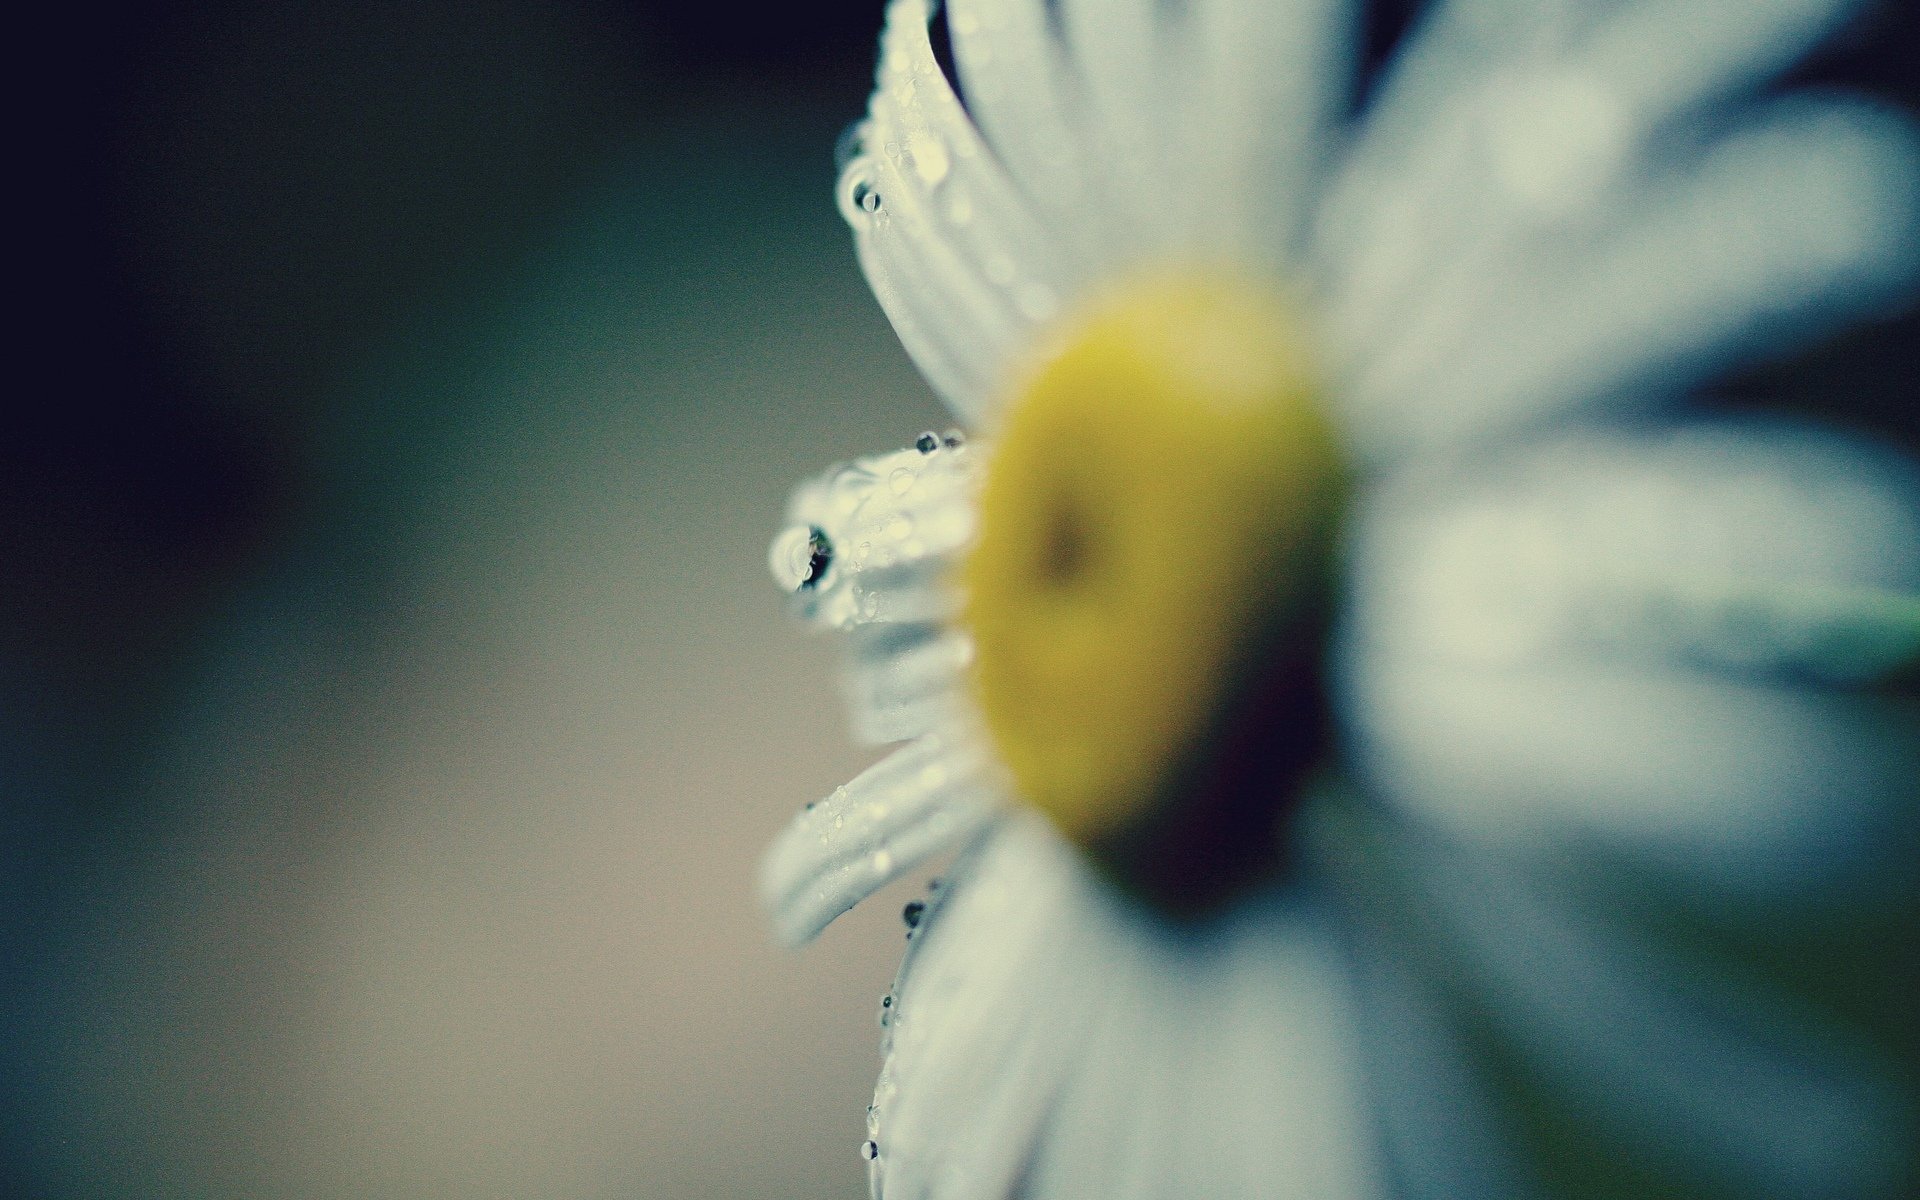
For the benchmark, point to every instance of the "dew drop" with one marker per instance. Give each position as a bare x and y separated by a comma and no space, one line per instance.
953,439
800,557
900,528
912,913
902,480
858,199
869,1150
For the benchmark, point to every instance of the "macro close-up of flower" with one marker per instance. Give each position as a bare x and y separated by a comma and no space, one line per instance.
1391,730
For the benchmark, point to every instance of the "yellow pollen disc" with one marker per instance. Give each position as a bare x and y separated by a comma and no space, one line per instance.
1163,488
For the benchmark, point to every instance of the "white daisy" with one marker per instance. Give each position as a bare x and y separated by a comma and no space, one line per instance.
1393,745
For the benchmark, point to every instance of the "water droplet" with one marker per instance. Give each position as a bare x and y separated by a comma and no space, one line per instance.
953,439
927,442
912,913
858,200
800,557
886,1012
902,480
869,1150
900,528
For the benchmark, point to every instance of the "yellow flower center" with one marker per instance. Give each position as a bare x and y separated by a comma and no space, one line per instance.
1155,530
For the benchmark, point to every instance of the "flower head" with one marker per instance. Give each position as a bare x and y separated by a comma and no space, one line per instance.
1391,736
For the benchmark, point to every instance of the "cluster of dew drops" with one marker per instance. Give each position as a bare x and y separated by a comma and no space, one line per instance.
808,559
927,156
911,916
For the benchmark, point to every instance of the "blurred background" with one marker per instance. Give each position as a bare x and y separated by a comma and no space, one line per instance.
393,700
393,703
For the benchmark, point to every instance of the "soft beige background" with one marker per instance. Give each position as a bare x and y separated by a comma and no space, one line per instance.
446,887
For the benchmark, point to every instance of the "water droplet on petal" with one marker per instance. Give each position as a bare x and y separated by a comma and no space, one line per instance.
927,442
912,913
902,480
800,557
869,1150
953,439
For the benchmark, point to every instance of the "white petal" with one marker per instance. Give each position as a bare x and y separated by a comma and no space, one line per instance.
1119,51
1503,677
1260,101
1439,1135
1678,1058
1047,1030
901,687
951,246
893,523
1758,547
1020,93
916,802
1420,156
1803,219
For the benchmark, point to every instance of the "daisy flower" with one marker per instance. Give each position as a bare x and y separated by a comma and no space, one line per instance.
1394,740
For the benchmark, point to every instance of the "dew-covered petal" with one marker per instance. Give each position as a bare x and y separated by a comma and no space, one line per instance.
977,999
1540,652
918,801
1047,1031
904,681
952,247
880,533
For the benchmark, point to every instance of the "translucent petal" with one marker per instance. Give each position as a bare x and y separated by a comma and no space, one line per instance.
904,688
1260,103
891,525
918,801
1804,218
1020,93
1525,664
947,240
1046,1030
1675,1055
